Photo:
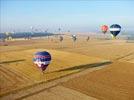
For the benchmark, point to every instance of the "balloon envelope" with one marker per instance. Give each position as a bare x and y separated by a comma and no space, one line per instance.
61,38
88,38
74,37
104,28
115,29
42,59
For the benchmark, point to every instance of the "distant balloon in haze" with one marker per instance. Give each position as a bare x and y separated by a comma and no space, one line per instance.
115,30
88,38
46,30
59,29
31,27
42,59
104,28
74,38
61,38
68,31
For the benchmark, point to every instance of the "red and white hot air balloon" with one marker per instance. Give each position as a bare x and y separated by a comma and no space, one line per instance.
104,28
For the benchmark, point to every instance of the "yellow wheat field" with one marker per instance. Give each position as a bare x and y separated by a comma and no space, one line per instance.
18,71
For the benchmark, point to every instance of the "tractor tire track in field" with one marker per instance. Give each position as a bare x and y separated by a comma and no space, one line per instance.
127,57
42,86
15,79
13,61
18,74
13,75
7,77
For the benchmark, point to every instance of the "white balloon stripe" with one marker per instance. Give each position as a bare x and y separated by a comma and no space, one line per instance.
115,29
39,63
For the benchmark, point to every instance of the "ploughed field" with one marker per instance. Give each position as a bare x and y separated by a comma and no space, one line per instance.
17,71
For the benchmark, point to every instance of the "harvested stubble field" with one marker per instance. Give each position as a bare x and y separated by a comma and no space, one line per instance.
18,71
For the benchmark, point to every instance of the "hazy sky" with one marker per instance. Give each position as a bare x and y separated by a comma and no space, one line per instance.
73,15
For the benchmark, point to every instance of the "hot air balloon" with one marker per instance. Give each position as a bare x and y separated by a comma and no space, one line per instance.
88,38
74,37
42,59
61,38
115,30
104,28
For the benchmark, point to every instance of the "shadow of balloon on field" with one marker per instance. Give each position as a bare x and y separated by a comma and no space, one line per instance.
83,67
12,61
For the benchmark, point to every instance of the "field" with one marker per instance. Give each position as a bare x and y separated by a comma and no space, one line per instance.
113,81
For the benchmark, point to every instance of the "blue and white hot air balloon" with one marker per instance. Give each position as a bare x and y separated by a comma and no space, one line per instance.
42,59
115,30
